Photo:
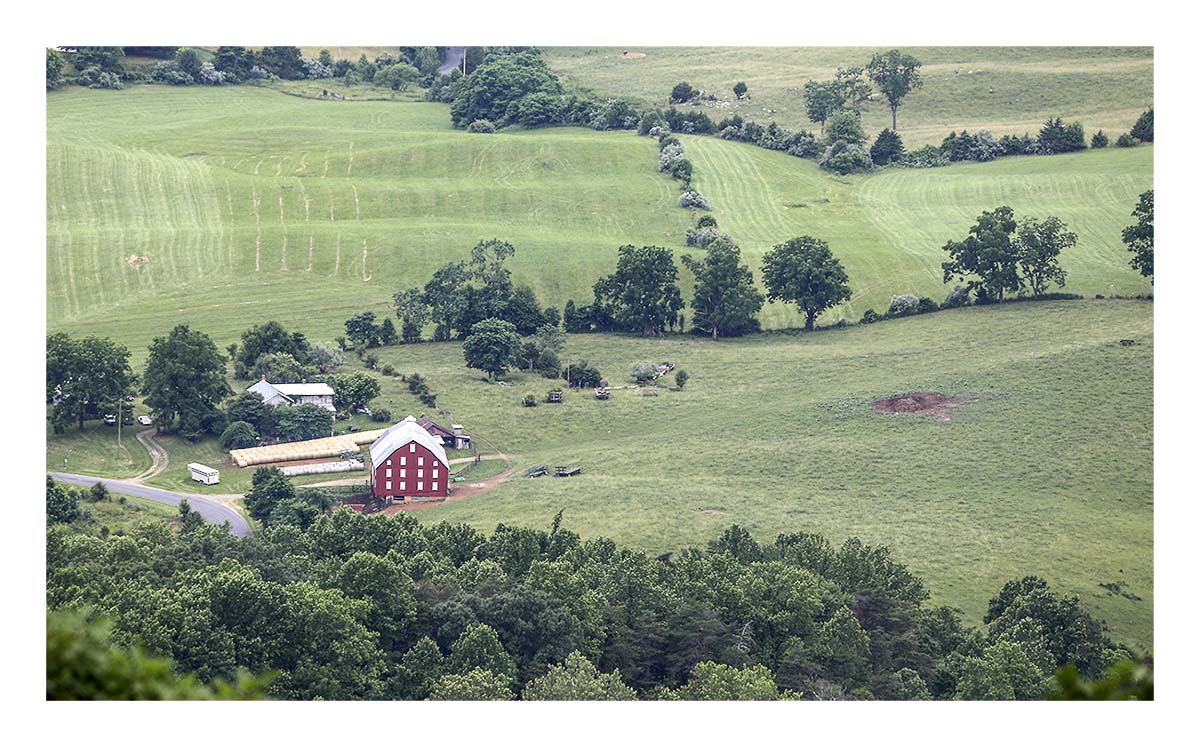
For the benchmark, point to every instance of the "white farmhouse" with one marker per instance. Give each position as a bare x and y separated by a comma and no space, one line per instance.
286,395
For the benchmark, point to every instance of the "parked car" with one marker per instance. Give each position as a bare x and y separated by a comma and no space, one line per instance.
364,411
110,419
144,419
128,397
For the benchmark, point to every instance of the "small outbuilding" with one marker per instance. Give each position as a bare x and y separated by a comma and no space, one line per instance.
408,462
452,438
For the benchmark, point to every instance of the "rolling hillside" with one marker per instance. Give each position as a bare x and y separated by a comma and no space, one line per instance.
224,207
1004,89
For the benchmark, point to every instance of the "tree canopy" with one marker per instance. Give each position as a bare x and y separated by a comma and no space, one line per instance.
184,379
493,346
897,75
643,294
725,299
1139,238
804,271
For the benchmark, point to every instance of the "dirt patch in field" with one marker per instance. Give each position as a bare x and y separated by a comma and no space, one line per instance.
632,55
918,403
135,261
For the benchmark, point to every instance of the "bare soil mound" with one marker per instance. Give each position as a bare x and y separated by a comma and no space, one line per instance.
917,403
632,55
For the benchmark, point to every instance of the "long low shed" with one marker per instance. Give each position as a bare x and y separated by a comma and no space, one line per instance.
296,451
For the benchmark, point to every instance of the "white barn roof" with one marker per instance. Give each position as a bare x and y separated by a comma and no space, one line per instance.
403,433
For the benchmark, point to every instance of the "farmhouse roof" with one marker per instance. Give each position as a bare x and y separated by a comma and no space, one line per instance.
304,390
403,433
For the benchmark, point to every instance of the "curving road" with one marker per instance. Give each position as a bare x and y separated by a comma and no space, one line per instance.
213,511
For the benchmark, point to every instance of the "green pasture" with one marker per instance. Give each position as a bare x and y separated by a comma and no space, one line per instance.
889,227
1008,90
227,207
1045,468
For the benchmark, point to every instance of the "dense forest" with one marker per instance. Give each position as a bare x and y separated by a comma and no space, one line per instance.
385,607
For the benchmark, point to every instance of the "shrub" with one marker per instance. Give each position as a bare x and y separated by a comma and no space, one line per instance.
614,115
958,296
845,158
381,415
693,199
740,89
547,364
926,305
388,369
668,154
681,169
171,73
1126,140
928,157
239,435
870,316
1019,145
1058,137
539,109
706,221
94,77
702,237
887,147
315,69
529,401
581,374
1143,129
681,378
643,371
682,93
1099,140
903,305
481,125
429,399
370,360
844,126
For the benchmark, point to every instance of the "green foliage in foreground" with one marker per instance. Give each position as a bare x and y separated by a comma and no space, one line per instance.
384,607
82,664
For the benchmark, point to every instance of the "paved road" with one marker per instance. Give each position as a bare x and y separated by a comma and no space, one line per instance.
211,510
454,57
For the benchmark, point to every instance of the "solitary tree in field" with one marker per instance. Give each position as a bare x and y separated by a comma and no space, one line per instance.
724,297
1038,246
896,75
492,346
740,89
803,271
986,255
1140,236
682,93
185,377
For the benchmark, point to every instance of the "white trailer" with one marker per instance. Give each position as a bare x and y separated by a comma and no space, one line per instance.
206,475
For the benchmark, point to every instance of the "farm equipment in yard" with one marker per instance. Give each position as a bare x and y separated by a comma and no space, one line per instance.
355,455
602,393
537,471
567,471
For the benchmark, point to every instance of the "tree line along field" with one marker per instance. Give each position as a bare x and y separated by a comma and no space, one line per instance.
1010,90
223,207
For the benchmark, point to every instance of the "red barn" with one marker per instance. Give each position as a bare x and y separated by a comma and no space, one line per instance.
407,462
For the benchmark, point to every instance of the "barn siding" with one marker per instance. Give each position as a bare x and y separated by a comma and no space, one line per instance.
412,454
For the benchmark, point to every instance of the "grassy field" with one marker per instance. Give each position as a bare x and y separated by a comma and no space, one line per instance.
889,228
226,207
1047,469
94,451
1006,90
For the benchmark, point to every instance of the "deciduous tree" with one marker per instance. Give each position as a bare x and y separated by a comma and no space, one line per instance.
185,377
724,297
643,294
1139,238
897,75
803,271
1038,245
492,346
986,255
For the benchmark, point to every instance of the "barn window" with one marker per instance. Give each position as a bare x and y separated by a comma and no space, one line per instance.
389,485
401,486
389,471
420,473
420,460
412,447
403,461
402,472
420,486
433,485
434,475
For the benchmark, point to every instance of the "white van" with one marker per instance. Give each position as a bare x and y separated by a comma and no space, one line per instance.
206,475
